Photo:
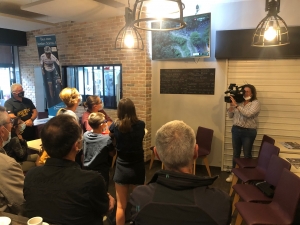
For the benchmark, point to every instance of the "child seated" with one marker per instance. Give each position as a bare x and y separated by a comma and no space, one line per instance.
97,146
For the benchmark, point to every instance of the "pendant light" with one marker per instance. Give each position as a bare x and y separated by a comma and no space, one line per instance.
272,30
128,37
168,15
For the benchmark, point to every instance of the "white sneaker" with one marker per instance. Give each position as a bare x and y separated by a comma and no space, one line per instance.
229,178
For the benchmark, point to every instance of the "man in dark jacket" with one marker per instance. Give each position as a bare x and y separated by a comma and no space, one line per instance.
175,196
60,191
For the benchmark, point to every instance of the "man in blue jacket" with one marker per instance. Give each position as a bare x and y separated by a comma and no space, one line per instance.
175,196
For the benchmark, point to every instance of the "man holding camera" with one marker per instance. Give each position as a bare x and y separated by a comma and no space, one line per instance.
244,127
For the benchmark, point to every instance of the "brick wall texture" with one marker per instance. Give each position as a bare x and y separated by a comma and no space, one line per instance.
92,43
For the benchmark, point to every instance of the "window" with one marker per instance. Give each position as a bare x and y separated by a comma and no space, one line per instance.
9,71
102,80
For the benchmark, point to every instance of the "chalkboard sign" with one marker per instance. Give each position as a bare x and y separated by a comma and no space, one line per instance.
187,81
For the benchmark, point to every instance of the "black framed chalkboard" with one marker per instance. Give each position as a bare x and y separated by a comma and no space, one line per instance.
187,81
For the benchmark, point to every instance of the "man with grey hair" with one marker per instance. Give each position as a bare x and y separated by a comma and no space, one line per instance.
19,106
11,174
174,195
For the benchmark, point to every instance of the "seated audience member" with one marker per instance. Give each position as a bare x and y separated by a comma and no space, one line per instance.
174,195
60,191
93,104
97,146
72,98
41,159
17,147
11,174
22,107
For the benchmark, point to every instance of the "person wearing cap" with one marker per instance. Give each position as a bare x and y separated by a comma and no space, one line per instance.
19,106
51,76
97,146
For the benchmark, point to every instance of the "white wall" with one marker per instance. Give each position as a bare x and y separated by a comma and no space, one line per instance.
209,110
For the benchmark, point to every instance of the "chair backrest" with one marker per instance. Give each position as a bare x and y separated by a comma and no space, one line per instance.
268,139
275,168
204,138
287,195
264,157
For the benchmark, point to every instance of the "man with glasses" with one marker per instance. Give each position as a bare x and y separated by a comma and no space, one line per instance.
11,174
22,107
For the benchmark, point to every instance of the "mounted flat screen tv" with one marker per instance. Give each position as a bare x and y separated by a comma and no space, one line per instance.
193,41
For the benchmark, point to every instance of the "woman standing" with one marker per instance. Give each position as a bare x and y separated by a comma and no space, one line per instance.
93,104
129,132
244,127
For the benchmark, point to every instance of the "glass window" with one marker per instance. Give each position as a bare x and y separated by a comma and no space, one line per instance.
9,71
102,80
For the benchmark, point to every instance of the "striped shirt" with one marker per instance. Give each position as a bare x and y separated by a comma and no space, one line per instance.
246,115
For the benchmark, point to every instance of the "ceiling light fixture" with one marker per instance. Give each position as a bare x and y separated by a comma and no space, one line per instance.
167,13
129,37
272,30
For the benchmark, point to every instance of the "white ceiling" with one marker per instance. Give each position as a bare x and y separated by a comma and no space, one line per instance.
27,15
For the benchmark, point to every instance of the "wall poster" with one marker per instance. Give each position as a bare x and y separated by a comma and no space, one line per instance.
50,66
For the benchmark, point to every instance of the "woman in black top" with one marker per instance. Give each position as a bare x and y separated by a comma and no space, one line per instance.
129,132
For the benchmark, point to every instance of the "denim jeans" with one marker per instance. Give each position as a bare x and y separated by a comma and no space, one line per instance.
242,137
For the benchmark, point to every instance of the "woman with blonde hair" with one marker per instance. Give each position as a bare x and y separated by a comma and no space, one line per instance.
72,98
129,132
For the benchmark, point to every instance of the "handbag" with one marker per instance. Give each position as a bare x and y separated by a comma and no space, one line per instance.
266,188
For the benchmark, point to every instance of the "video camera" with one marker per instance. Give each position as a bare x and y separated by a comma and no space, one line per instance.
236,92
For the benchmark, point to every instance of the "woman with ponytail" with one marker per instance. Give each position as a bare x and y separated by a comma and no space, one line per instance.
128,132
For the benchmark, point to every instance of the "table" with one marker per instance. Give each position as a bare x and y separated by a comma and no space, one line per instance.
35,145
40,121
284,149
295,156
15,219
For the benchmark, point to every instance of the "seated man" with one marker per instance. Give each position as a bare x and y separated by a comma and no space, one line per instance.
175,196
60,191
11,174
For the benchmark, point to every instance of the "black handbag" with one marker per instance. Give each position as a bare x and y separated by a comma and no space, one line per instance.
266,188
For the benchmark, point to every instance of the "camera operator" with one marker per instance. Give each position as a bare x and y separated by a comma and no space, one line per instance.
244,127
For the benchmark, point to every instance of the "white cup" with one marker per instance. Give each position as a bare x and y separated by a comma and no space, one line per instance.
35,221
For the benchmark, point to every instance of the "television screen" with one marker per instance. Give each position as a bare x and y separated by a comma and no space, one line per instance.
193,41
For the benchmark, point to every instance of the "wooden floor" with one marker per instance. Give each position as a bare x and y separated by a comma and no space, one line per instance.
200,171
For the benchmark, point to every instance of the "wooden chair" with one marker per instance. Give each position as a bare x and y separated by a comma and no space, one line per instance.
252,162
259,172
250,193
282,208
114,160
204,138
152,159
